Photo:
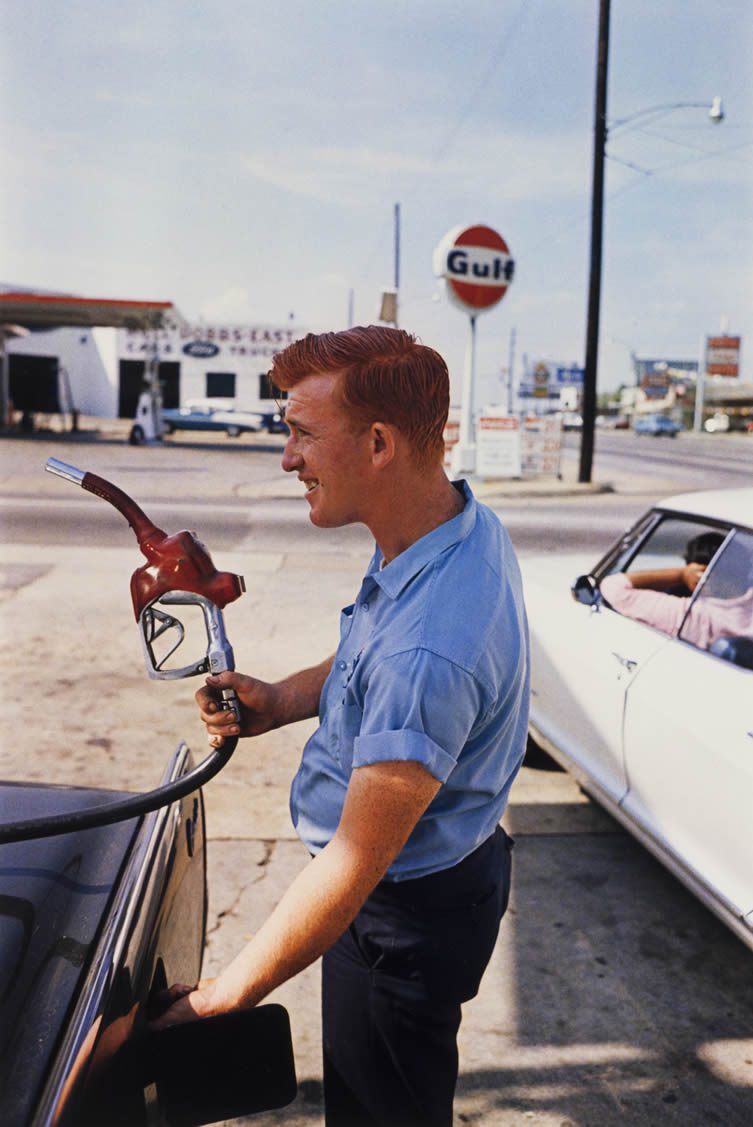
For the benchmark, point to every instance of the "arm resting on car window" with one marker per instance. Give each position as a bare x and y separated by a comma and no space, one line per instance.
654,608
666,578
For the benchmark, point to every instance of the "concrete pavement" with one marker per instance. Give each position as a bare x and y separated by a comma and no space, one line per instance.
594,1010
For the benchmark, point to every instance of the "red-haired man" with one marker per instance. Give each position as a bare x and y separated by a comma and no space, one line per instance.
422,727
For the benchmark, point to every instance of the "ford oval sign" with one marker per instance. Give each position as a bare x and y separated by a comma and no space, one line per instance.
476,265
201,349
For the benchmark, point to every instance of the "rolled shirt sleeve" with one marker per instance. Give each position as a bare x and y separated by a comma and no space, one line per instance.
419,706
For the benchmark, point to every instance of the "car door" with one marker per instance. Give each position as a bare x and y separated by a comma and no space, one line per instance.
689,735
689,758
584,660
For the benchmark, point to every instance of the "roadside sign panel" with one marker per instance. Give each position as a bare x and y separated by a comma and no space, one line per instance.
723,356
541,378
497,446
451,437
571,375
541,444
528,391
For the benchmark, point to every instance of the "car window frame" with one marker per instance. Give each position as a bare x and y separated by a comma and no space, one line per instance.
732,531
631,542
621,555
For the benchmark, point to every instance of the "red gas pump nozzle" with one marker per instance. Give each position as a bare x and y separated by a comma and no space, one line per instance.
178,571
177,562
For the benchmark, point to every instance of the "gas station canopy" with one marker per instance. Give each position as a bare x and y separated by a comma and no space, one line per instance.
23,311
49,310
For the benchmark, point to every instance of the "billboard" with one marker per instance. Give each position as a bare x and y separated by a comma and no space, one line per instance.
723,356
547,380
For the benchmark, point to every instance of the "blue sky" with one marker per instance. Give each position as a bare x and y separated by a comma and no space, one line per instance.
243,159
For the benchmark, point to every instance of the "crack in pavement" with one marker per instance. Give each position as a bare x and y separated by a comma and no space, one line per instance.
232,909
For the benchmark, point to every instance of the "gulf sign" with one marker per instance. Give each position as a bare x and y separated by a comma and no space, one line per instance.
476,265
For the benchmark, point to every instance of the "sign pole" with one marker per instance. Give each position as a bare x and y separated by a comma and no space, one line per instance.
700,388
510,366
464,453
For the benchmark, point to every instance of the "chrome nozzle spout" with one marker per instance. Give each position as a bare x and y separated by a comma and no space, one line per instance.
62,469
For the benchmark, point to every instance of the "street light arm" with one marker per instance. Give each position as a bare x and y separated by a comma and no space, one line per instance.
716,112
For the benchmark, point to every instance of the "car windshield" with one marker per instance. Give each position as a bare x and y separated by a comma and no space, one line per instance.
656,541
665,547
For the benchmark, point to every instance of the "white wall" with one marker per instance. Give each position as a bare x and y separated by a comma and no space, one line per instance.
245,350
90,358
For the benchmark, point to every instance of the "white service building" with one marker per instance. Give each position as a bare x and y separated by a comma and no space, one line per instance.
101,371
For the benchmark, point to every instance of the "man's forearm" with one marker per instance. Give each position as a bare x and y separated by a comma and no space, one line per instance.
661,579
298,695
315,910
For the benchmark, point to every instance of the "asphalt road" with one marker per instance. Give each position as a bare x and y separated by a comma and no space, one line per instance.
613,997
171,482
700,461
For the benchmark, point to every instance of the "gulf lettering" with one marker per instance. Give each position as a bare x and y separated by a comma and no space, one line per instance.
496,269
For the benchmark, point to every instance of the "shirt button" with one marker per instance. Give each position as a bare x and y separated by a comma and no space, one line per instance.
364,606
341,665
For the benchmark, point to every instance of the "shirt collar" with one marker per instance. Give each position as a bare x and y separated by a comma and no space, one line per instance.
405,567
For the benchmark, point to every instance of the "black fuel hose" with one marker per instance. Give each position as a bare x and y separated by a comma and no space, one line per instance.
119,811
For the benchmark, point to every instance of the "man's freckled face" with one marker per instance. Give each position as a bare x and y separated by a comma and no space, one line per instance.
327,452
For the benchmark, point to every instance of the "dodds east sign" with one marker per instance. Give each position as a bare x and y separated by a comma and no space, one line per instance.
477,267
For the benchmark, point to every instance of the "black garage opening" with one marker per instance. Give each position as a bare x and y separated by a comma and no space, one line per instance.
132,379
33,384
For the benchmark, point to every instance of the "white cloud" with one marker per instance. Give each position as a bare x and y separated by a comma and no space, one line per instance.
518,167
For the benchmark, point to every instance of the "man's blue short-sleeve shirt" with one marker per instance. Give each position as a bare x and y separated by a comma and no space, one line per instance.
432,666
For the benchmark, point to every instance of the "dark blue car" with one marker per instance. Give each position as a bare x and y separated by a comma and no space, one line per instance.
656,425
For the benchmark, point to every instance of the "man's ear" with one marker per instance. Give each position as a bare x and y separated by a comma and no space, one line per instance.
383,443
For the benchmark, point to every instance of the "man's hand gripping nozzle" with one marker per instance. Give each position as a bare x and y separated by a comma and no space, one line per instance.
178,572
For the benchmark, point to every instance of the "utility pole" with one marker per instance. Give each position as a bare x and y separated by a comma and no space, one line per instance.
597,218
397,260
510,376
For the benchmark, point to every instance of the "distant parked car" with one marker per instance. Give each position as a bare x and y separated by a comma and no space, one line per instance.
656,425
719,423
613,422
274,422
571,420
232,422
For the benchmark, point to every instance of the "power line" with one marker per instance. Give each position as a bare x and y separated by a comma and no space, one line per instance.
501,48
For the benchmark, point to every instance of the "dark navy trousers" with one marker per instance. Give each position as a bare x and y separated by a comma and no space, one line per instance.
392,987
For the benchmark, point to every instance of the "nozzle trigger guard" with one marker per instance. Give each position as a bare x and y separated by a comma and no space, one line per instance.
155,622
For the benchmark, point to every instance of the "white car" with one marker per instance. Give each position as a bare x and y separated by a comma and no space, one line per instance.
658,727
717,424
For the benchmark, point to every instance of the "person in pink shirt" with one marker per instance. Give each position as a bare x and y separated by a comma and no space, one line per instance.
662,598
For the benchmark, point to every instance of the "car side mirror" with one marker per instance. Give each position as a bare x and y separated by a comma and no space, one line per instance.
584,590
221,1067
